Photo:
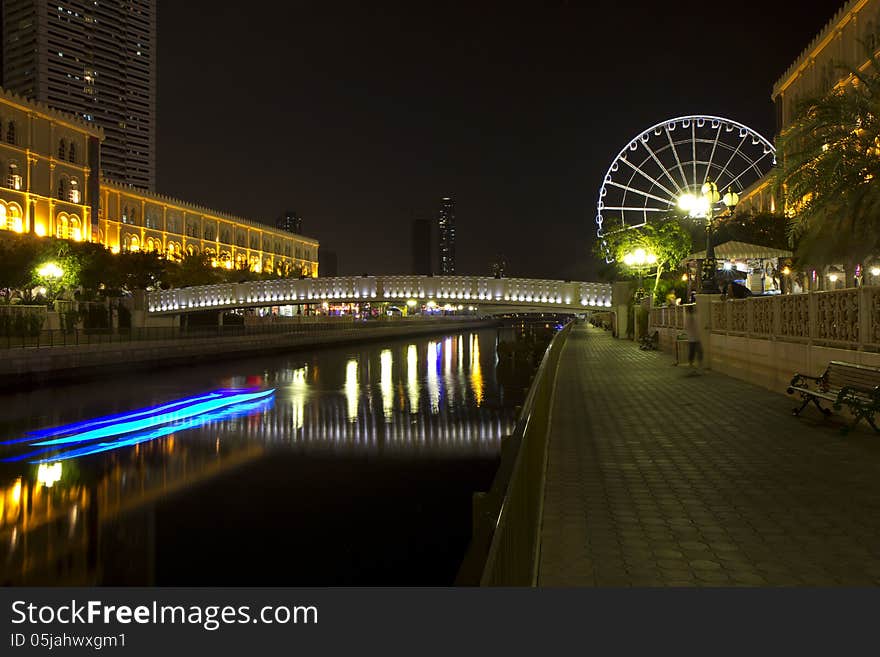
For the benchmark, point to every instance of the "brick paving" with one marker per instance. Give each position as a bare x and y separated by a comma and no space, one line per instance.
657,478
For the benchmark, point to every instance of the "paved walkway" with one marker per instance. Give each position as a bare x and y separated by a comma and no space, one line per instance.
657,478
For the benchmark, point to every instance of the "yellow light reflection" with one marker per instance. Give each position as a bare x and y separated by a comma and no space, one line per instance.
16,491
299,389
433,383
49,473
476,370
412,377
352,389
386,385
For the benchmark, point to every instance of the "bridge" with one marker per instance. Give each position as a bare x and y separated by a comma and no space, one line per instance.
491,295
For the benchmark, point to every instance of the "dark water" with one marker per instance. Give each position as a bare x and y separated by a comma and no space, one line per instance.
360,469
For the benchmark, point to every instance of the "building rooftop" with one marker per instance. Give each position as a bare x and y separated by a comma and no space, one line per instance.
186,205
65,118
837,22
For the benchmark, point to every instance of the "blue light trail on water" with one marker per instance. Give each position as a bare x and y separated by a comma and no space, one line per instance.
144,424
227,413
149,421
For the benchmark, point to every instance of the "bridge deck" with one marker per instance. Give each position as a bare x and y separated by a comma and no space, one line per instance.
657,478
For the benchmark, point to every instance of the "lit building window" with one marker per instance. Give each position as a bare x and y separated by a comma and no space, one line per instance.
13,179
74,192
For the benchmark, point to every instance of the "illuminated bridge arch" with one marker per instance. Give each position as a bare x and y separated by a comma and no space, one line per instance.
519,293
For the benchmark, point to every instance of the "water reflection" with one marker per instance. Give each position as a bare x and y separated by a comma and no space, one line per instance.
412,377
433,365
387,386
352,389
476,369
420,399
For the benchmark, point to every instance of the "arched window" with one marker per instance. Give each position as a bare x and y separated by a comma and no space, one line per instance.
62,189
74,193
191,250
10,133
71,153
11,217
75,229
62,227
62,149
131,243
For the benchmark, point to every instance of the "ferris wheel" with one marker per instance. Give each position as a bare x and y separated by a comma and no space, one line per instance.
669,164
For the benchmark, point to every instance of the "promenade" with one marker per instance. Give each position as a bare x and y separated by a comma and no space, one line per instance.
657,478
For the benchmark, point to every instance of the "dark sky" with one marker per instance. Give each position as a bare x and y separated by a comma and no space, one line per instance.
362,117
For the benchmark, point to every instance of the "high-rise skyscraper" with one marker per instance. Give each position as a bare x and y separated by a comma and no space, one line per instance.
291,222
422,248
95,59
446,224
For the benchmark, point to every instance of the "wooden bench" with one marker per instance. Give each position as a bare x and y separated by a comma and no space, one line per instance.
857,387
650,342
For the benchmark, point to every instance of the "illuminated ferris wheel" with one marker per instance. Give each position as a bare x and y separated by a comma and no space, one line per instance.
668,166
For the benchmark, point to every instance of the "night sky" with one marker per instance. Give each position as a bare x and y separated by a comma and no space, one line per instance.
361,118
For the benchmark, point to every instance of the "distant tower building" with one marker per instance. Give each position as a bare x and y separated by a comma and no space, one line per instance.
291,222
96,60
446,224
499,266
422,251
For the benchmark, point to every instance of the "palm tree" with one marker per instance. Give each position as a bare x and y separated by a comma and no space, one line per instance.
829,173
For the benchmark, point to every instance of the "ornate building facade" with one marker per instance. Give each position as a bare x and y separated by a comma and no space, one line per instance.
134,220
50,185
49,163
845,43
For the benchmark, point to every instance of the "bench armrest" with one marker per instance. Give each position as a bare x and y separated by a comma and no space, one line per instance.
800,380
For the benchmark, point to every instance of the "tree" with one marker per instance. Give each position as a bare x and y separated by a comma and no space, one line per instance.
19,257
193,270
828,173
665,239
762,228
141,269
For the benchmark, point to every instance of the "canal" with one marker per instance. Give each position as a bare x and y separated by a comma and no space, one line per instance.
359,469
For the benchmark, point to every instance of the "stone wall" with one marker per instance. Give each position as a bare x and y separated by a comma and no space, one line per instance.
29,366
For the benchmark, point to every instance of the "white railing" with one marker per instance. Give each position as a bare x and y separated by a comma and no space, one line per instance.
571,295
667,317
849,318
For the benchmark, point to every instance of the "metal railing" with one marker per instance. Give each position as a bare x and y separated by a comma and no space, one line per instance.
507,519
52,338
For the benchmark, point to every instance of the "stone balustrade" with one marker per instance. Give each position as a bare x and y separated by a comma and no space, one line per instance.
847,319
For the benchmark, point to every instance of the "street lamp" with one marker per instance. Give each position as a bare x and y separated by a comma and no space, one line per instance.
50,270
703,206
640,260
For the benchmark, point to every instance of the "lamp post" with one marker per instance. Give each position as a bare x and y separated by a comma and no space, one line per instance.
703,206
640,260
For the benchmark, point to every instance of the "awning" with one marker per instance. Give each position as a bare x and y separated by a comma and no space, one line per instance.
743,251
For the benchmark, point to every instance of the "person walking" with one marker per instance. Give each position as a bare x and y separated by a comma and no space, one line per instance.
695,348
